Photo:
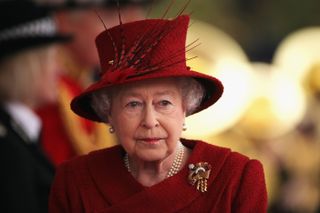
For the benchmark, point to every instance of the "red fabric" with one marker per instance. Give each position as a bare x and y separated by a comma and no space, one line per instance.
100,183
55,140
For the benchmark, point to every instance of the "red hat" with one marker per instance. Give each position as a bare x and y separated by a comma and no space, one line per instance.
141,50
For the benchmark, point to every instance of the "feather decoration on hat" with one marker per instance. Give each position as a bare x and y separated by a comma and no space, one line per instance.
145,49
136,56
115,49
123,38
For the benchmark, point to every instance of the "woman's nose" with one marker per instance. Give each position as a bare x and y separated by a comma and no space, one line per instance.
150,119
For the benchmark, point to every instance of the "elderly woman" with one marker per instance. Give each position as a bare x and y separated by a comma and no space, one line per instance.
144,94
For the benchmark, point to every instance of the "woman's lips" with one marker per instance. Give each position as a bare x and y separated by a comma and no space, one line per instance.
150,140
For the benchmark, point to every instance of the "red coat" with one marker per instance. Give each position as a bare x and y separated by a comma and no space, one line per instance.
56,140
66,135
100,183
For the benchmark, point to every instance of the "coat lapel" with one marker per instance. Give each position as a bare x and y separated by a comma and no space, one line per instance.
123,192
111,176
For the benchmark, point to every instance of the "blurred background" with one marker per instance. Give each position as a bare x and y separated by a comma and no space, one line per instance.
267,54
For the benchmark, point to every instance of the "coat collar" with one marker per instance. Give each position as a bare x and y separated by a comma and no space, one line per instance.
121,190
21,120
26,119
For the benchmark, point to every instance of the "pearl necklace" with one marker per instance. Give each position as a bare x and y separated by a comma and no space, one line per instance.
175,165
177,161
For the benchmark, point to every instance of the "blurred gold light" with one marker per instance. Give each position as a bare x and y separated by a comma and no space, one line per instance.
279,104
312,81
299,52
220,56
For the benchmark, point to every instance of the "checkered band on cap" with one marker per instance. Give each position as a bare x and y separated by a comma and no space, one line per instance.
44,27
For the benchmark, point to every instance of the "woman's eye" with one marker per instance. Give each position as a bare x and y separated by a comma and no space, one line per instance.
164,103
133,104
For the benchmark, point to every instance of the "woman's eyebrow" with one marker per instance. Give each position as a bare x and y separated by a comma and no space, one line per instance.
137,94
166,92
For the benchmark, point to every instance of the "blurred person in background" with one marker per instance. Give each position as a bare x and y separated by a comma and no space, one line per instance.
299,189
28,79
65,134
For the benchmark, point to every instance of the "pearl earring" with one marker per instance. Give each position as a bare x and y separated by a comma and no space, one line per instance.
111,130
184,128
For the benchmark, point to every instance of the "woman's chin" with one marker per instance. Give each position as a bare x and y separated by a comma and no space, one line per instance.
152,155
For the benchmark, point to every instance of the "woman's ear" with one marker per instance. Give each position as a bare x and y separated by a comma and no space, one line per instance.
109,111
109,118
110,122
184,108
185,113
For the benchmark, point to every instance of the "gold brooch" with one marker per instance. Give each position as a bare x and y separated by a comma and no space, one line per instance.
199,174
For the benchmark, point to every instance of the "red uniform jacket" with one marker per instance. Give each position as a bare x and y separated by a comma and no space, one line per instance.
66,135
100,183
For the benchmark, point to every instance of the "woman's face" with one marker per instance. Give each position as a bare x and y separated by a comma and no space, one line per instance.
147,118
47,81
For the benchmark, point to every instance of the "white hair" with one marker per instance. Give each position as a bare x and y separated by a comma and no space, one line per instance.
192,93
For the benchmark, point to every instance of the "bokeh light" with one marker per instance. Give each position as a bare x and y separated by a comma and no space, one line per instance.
223,58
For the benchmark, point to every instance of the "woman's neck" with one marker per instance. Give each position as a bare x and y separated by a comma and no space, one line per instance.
151,173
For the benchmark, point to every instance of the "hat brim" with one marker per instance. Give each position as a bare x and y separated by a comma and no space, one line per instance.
81,104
